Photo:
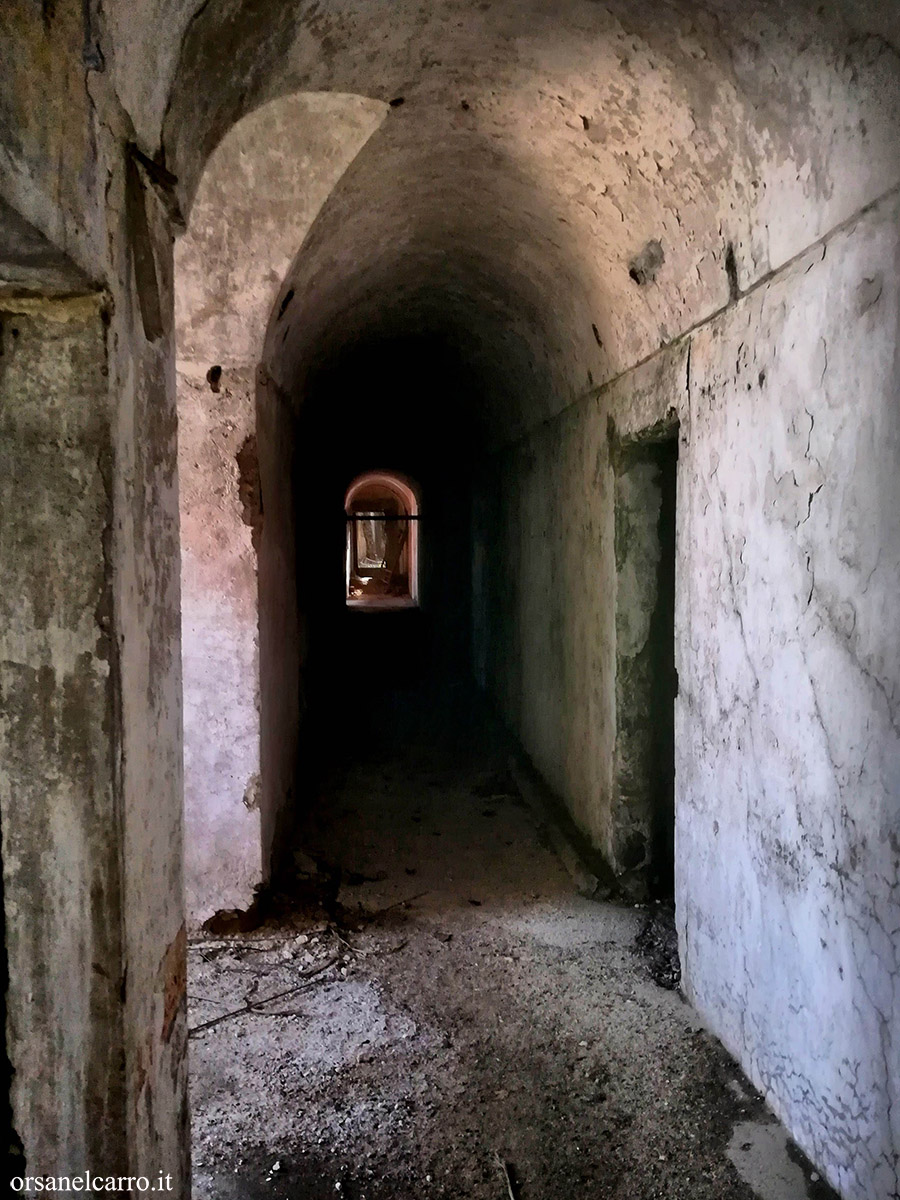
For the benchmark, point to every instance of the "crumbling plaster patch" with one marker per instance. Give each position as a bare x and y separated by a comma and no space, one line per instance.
220,647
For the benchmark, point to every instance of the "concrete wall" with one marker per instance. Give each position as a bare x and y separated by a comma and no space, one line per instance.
789,715
282,649
787,730
642,817
220,643
66,166
145,564
61,824
92,721
258,196
591,129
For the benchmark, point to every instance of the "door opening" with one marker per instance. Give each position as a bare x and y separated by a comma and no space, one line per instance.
382,559
646,680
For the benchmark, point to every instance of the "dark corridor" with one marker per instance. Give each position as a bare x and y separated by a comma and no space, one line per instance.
405,406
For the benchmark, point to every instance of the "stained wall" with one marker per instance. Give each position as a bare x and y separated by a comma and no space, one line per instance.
787,724
261,191
787,737
61,824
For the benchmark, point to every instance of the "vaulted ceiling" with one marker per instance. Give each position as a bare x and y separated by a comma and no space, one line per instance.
557,189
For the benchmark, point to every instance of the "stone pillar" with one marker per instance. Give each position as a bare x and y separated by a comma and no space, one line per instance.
90,732
59,736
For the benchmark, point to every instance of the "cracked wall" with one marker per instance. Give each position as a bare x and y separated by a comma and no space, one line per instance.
787,734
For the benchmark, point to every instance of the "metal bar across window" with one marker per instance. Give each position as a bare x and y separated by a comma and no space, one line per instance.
381,517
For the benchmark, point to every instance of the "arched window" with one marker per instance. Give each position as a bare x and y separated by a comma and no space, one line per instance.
382,542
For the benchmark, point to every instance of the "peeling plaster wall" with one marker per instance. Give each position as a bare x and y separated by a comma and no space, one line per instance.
64,166
787,730
53,147
146,573
220,648
541,151
61,822
593,130
260,193
788,723
92,407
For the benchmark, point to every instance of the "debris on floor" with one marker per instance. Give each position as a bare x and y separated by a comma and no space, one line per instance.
657,941
386,1037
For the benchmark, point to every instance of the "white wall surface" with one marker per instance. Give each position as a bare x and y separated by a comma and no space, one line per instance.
788,720
788,717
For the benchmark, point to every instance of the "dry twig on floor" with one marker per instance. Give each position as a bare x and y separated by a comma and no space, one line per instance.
379,912
253,1005
340,937
512,1191
238,946
192,996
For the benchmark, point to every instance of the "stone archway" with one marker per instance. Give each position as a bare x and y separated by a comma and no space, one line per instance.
240,736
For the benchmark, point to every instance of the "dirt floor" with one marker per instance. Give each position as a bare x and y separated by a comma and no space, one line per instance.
434,1011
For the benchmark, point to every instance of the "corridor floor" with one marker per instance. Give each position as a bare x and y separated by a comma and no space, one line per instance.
434,1011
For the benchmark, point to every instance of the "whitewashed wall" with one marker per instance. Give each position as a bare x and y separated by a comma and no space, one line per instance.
788,721
788,718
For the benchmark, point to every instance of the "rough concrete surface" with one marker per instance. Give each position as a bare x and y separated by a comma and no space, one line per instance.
57,687
443,1002
788,718
259,194
219,615
787,737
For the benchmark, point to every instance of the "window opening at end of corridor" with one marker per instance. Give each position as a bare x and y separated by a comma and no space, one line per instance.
382,552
